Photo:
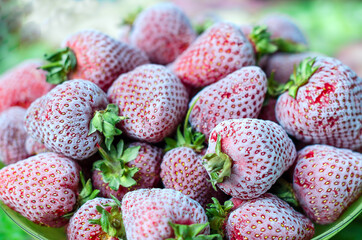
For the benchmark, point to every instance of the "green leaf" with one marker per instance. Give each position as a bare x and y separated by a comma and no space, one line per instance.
284,45
131,17
217,214
60,64
191,232
262,42
218,164
284,190
130,154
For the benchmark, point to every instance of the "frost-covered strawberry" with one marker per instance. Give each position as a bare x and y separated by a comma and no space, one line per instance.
99,218
42,188
153,99
21,85
61,119
12,135
238,95
219,51
267,217
323,104
125,169
162,31
326,181
246,156
94,56
169,209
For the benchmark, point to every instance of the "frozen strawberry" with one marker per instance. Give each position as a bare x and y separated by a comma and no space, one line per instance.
246,156
238,95
219,51
42,188
326,181
99,218
323,104
125,169
163,32
12,135
153,99
267,217
169,208
93,56
21,85
61,119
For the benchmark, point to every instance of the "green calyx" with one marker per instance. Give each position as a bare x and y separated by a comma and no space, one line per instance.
286,46
60,64
87,193
284,190
114,167
201,27
217,215
105,122
131,17
300,76
111,221
274,88
262,42
192,232
218,164
194,140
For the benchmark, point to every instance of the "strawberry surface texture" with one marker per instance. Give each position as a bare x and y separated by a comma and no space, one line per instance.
42,188
60,120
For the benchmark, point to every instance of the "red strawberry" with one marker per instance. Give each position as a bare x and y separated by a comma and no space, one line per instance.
99,218
324,104
23,84
267,217
153,99
12,135
182,170
149,213
238,95
246,156
42,188
135,167
326,181
61,119
94,56
220,50
163,31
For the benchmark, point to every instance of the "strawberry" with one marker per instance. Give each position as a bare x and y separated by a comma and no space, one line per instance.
12,135
94,56
163,31
99,218
153,99
127,169
323,104
169,209
238,95
23,84
267,217
219,51
326,181
283,27
61,119
42,188
246,156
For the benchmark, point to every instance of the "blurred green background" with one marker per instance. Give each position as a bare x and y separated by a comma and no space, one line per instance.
30,28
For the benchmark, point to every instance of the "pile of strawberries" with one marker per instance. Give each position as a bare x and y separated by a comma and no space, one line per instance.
182,135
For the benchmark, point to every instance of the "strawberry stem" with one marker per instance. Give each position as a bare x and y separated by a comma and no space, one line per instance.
262,42
60,64
191,232
194,140
114,167
218,164
217,215
111,221
105,122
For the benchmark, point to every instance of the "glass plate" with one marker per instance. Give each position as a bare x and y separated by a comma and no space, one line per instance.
322,232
